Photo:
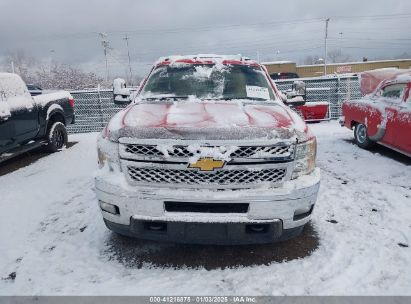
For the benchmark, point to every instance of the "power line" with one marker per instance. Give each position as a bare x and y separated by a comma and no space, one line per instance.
214,27
150,31
386,16
256,41
235,46
373,48
224,48
381,40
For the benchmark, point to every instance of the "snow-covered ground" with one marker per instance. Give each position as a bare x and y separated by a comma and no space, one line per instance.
53,240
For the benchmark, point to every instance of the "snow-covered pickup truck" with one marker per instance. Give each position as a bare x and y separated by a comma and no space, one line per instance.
383,116
208,152
28,122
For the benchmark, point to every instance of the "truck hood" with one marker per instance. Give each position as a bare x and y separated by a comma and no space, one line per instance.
206,121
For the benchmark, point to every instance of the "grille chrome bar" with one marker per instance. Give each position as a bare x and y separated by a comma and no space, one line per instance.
278,152
164,163
218,178
179,176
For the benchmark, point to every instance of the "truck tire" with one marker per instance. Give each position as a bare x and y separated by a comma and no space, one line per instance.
361,138
56,136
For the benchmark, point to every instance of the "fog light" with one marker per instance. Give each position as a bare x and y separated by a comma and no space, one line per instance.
113,209
256,228
299,214
155,226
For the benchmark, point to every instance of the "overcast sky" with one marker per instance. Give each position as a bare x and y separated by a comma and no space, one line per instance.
67,30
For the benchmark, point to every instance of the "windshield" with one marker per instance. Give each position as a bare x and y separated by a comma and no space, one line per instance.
208,81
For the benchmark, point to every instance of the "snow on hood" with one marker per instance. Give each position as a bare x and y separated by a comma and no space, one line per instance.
206,120
406,77
43,99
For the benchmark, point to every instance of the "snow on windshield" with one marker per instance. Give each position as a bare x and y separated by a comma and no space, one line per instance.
208,81
11,85
13,93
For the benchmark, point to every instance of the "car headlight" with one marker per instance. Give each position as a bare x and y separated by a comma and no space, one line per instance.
305,158
108,154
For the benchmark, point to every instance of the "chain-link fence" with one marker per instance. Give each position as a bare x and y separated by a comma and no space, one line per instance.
95,108
331,89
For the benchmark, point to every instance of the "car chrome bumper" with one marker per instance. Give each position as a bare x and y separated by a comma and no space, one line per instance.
280,211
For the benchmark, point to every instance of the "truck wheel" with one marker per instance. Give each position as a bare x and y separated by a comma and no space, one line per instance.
361,138
56,136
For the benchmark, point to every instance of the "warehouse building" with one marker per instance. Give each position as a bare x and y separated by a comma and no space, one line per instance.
288,69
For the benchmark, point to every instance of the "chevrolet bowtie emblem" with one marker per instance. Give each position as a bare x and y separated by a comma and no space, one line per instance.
207,164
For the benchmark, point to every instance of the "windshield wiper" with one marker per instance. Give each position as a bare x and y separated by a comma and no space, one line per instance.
245,97
166,98
216,99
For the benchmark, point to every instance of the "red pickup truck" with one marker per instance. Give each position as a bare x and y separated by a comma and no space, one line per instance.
383,116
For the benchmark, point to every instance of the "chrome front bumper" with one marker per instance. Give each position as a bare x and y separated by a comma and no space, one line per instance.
266,205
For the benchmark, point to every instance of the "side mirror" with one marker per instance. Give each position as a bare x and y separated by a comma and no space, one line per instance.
297,96
121,94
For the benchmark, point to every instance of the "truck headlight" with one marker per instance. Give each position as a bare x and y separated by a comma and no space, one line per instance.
305,158
108,154
101,157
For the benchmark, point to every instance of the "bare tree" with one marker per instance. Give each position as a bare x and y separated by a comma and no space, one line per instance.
308,60
61,76
337,56
312,60
23,64
404,55
52,75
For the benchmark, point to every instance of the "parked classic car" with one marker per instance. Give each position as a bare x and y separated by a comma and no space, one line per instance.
384,116
208,153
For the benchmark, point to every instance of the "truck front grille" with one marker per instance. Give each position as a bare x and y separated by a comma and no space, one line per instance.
283,152
181,178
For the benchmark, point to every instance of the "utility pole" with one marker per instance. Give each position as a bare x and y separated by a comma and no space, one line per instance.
106,46
12,67
129,60
341,42
51,59
325,45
